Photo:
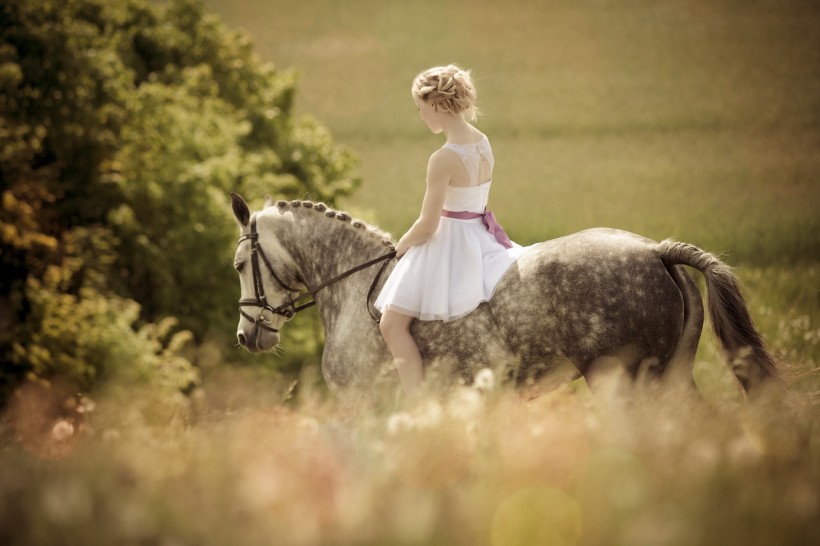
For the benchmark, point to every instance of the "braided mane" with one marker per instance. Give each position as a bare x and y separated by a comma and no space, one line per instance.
320,208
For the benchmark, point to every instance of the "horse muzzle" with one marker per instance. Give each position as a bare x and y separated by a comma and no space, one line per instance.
257,339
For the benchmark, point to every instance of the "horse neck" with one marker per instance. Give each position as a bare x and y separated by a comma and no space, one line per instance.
323,247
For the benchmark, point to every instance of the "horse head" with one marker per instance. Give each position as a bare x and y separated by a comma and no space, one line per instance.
268,280
290,252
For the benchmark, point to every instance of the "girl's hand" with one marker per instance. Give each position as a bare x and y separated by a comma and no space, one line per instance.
401,249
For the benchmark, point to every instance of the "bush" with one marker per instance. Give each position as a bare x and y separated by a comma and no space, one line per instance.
123,127
87,337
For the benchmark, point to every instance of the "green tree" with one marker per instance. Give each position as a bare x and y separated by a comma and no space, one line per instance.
123,126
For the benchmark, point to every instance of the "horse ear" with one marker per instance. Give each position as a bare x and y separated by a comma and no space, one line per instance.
240,209
268,201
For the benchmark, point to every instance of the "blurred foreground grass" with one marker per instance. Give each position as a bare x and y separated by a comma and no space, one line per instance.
240,463
251,458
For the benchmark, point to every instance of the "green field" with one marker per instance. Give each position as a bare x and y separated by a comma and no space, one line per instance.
697,120
685,119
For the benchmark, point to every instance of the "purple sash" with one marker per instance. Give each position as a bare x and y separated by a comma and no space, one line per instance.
488,218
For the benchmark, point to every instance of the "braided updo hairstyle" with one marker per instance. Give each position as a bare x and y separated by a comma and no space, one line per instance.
448,88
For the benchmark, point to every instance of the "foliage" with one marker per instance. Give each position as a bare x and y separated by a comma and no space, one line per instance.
123,127
86,337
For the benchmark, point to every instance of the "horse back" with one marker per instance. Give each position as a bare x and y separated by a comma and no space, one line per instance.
596,293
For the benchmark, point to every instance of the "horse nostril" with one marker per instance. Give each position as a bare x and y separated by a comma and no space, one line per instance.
241,338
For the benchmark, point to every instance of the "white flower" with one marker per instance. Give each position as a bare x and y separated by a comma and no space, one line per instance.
484,380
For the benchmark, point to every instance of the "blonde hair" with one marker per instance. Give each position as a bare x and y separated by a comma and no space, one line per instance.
448,88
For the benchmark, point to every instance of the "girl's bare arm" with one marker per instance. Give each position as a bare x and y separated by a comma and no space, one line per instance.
438,176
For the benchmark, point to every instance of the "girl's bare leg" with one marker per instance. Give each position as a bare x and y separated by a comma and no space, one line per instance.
395,328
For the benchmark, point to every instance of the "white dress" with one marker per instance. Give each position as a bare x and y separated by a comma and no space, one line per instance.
460,265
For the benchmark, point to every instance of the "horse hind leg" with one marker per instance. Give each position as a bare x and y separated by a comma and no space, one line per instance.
626,367
679,370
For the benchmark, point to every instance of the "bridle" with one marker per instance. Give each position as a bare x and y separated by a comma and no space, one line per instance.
303,300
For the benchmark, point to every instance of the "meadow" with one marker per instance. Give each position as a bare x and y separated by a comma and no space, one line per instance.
685,119
698,121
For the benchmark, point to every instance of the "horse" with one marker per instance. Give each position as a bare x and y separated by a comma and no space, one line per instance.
564,307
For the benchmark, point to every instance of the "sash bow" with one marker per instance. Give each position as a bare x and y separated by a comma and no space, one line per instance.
489,221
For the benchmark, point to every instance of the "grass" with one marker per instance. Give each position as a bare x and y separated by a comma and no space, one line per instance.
251,458
685,119
682,186
240,463
692,120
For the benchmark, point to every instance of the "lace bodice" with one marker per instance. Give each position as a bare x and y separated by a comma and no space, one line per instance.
470,198
471,155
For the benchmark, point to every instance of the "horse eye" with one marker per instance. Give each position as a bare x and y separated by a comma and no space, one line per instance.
239,267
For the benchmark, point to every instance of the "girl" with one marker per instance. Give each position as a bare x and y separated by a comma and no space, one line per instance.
455,253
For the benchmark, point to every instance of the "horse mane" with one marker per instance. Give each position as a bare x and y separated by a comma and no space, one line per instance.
320,208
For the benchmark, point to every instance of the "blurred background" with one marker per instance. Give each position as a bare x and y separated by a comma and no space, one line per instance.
686,119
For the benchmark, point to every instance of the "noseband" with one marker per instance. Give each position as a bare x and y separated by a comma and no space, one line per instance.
303,300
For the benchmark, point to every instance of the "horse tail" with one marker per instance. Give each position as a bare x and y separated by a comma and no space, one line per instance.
751,361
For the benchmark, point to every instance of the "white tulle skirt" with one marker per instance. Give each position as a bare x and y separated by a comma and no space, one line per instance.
450,275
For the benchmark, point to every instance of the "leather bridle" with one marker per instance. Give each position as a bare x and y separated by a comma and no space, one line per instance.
304,300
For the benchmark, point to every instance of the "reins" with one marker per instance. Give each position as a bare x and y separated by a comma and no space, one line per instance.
293,306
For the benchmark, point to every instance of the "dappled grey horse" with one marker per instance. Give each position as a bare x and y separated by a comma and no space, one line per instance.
566,306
